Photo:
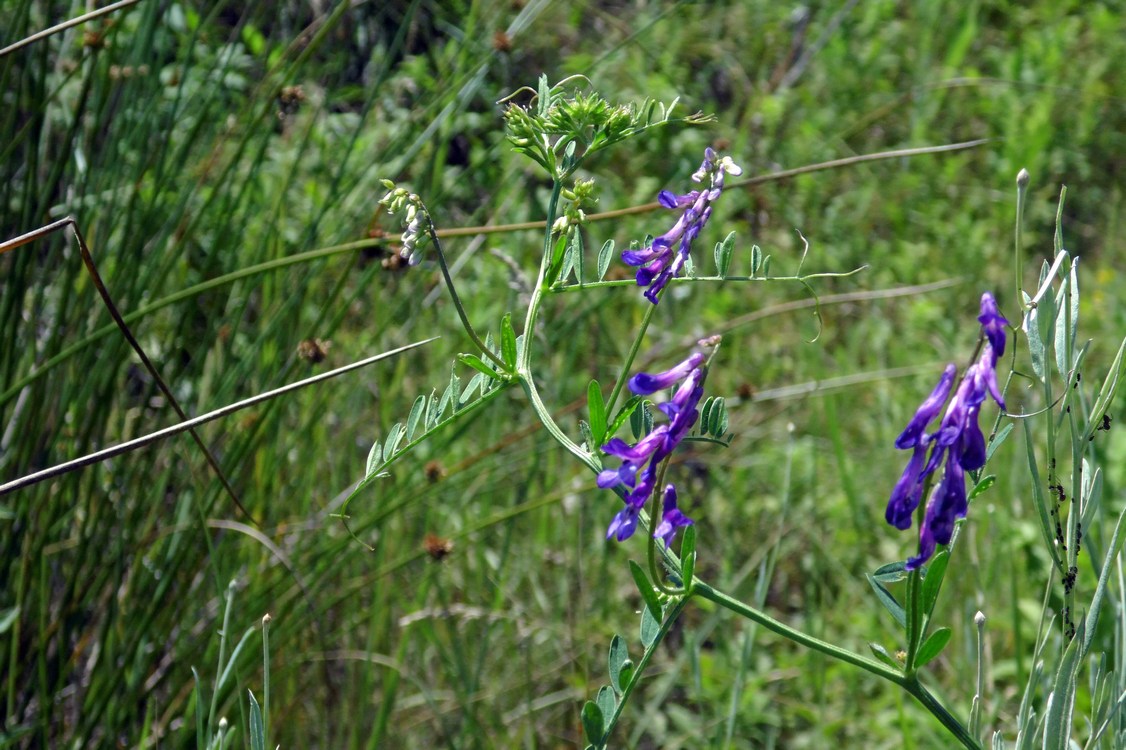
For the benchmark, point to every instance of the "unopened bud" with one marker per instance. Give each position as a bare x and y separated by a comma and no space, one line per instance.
1023,178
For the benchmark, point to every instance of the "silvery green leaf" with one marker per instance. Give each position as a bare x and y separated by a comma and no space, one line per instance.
891,572
1061,701
932,583
257,727
723,252
375,459
890,604
593,722
568,259
1092,493
645,588
394,436
1067,301
706,414
650,627
1047,527
416,415
688,555
606,701
1031,329
1105,396
597,410
508,349
932,646
995,443
479,365
619,655
1092,620
720,421
881,653
604,257
474,383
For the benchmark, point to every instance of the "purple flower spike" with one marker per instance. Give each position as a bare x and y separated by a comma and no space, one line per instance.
929,409
644,384
671,517
664,258
958,442
641,460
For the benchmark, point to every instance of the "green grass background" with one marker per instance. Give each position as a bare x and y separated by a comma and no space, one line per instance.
168,131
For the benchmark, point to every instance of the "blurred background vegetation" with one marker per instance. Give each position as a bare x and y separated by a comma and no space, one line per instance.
193,140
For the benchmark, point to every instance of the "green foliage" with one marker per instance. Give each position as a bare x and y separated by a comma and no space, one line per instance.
204,149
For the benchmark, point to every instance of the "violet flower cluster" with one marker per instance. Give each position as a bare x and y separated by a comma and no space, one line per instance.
640,462
658,262
958,440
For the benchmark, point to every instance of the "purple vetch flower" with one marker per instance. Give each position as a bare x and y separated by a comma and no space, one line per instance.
624,523
671,517
944,509
927,411
645,384
958,441
908,490
658,262
641,460
993,325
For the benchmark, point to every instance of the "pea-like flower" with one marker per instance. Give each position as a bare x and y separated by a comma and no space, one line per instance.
640,461
958,441
658,262
671,517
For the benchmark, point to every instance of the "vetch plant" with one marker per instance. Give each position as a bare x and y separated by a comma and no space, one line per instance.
560,129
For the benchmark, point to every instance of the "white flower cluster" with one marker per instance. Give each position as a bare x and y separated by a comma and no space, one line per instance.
415,217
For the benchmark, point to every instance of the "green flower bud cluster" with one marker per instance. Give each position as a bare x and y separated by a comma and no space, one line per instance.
558,130
579,196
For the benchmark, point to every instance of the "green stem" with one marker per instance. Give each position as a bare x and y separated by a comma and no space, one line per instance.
552,426
1022,190
780,628
932,704
457,300
654,572
669,619
630,356
914,618
523,370
910,683
538,290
